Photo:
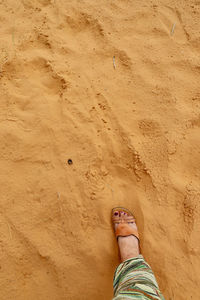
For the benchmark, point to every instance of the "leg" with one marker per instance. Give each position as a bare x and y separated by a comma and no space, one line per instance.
133,278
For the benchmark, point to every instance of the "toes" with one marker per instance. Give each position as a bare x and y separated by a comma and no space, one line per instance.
116,214
124,214
120,214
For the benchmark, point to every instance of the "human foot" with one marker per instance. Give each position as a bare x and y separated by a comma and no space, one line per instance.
126,233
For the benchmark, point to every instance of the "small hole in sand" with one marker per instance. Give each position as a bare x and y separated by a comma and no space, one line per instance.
70,162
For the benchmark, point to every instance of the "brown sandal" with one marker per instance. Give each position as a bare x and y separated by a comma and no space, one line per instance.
123,229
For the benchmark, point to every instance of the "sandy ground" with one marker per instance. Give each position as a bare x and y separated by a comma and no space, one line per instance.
113,86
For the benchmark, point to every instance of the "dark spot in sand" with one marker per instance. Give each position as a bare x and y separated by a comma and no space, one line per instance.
70,162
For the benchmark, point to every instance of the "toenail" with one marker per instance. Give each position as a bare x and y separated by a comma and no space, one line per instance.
116,213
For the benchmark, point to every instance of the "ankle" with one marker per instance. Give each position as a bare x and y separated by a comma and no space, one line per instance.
128,247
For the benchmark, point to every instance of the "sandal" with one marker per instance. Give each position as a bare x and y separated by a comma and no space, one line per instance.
123,229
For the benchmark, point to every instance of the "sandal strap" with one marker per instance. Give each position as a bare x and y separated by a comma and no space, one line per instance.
124,229
128,219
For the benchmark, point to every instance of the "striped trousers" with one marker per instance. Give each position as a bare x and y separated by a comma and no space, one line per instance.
134,279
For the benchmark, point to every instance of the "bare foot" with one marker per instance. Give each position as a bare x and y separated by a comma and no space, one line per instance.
128,245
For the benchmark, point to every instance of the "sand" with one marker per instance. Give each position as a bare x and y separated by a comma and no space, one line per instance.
113,86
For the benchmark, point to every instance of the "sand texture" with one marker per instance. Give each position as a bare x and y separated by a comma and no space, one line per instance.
115,87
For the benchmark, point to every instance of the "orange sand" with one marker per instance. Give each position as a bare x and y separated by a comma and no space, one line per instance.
129,123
